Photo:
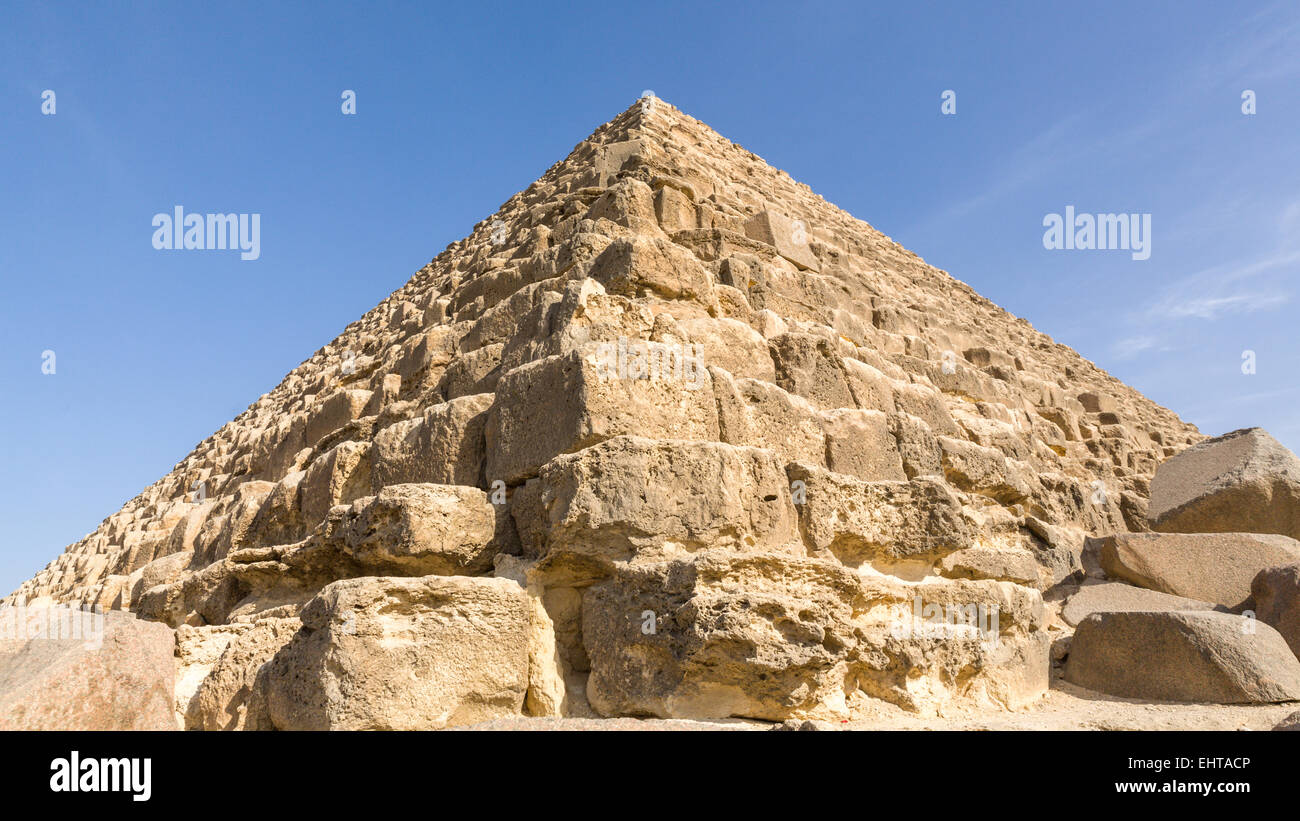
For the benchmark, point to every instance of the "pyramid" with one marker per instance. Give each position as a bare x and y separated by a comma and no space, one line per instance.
668,435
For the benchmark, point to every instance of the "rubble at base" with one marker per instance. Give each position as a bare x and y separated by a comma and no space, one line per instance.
671,437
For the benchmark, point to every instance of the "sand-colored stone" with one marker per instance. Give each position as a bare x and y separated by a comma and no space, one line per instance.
1276,594
1214,567
1183,656
853,424
403,654
75,669
1116,597
1244,481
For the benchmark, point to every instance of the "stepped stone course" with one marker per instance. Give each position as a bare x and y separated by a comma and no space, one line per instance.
667,435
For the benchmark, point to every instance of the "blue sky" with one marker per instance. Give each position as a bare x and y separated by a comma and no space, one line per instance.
1111,107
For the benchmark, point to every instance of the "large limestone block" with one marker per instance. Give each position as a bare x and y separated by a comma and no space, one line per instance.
582,315
186,532
982,470
565,403
197,650
444,446
475,372
628,202
630,495
809,366
1017,566
674,209
234,528
757,636
280,518
927,644
869,522
871,389
231,697
861,443
1116,597
927,404
382,653
275,450
1094,402
759,414
651,266
336,477
503,320
1276,591
429,353
333,412
729,344
1214,567
1242,481
788,236
611,158
164,570
404,530
774,636
917,445
1183,656
422,529
64,668
547,692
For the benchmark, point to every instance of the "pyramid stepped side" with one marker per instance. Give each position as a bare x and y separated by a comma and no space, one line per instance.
664,379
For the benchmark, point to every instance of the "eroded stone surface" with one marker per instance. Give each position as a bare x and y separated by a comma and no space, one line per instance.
403,654
1115,597
667,376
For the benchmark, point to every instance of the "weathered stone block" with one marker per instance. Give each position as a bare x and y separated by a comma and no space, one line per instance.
1214,567
403,654
85,671
1244,481
564,403
445,446
1182,656
632,496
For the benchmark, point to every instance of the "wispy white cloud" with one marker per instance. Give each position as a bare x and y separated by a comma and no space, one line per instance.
1065,144
1219,291
1214,307
1134,345
1262,396
1264,47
